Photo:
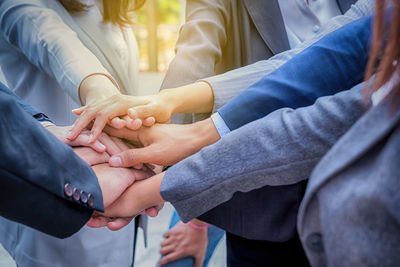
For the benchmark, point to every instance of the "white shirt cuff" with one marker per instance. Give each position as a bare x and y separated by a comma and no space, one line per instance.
220,124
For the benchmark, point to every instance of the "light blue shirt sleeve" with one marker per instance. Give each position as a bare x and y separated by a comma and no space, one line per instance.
220,124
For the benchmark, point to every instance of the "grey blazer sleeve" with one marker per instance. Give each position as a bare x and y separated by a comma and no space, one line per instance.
200,42
228,85
279,149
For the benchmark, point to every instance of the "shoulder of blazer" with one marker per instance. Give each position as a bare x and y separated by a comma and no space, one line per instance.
267,18
369,130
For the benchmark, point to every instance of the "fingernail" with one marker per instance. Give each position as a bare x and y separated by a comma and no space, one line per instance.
115,162
90,138
132,112
101,146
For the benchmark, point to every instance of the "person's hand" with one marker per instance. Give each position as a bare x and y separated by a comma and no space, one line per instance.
115,146
61,132
118,111
114,181
98,219
90,156
182,241
141,197
163,144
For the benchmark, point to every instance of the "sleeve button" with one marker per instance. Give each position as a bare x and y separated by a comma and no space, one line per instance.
314,242
76,195
84,197
90,200
68,190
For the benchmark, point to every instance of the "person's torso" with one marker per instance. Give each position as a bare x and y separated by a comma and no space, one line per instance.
43,91
268,213
88,247
350,214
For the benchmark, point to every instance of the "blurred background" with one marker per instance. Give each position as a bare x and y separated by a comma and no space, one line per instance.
157,27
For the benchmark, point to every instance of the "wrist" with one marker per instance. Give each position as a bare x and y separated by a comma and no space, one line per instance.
204,133
97,86
147,192
171,100
193,98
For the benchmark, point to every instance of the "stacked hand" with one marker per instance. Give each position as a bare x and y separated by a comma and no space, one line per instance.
120,111
113,181
123,116
164,144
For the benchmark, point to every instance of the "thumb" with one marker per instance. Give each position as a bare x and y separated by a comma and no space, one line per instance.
141,112
133,156
119,223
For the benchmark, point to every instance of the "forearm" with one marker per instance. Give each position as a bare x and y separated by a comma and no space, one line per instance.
45,211
49,160
335,63
25,106
193,98
279,149
137,198
200,42
228,85
47,42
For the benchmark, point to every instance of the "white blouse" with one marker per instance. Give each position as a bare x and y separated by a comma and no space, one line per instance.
303,21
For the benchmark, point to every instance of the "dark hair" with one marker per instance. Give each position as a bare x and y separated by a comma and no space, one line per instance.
385,49
115,11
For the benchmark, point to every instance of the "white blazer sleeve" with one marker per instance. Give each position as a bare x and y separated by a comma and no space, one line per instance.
48,43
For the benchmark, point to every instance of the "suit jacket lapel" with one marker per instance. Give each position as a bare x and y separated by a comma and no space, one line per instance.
268,20
93,44
108,53
375,125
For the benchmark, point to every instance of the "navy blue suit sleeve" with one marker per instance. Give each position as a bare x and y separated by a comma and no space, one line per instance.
335,63
34,169
25,106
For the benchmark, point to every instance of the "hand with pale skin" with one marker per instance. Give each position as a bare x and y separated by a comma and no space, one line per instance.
94,90
113,111
163,144
90,156
118,109
183,241
114,181
139,197
105,143
61,132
